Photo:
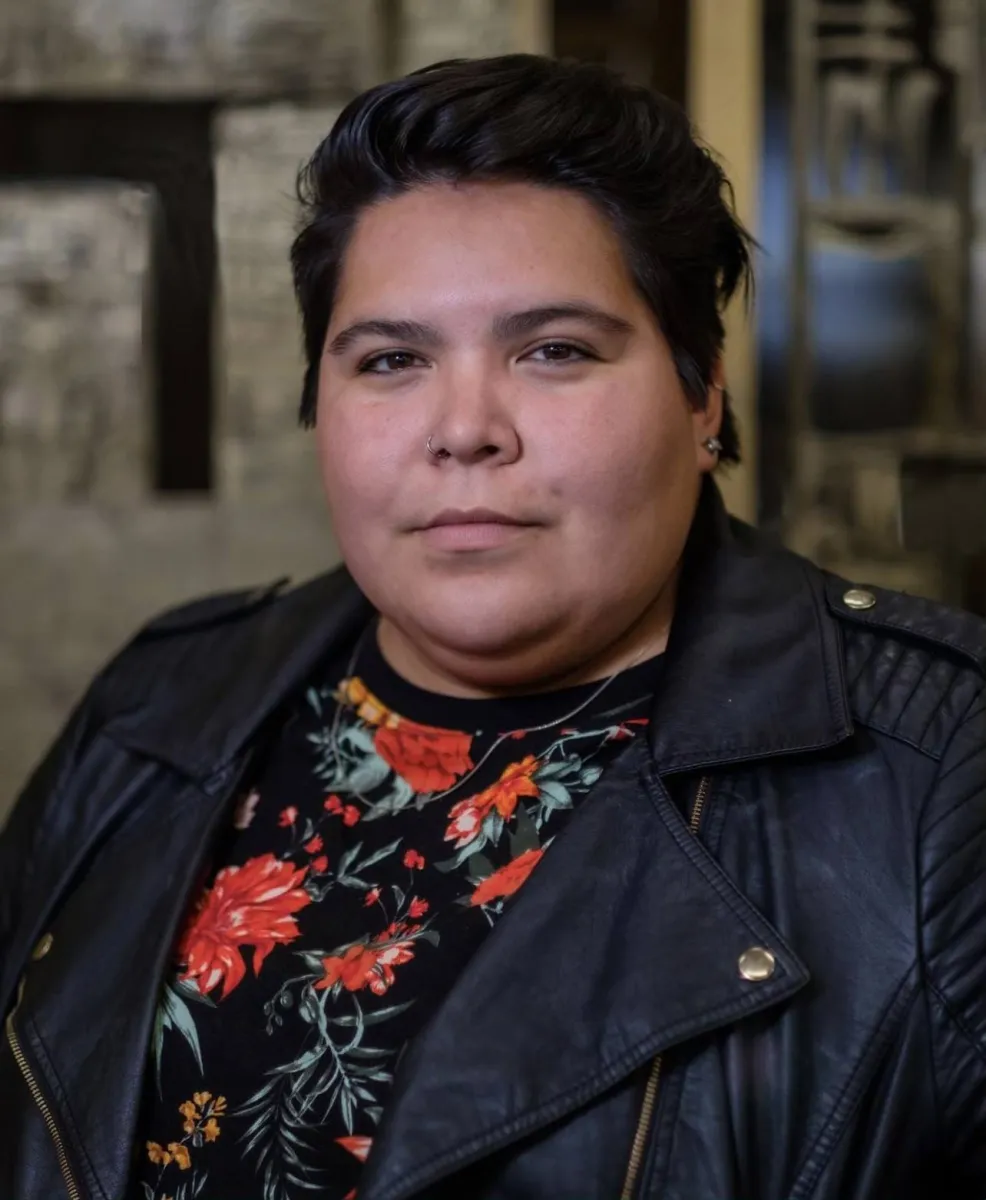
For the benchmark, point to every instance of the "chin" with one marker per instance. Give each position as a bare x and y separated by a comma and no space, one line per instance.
483,622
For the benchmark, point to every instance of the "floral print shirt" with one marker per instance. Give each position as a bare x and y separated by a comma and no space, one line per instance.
364,866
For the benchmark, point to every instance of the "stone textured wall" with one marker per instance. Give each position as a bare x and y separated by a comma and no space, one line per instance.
87,551
433,30
174,48
261,450
73,381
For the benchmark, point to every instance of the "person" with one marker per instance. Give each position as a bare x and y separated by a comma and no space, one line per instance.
573,840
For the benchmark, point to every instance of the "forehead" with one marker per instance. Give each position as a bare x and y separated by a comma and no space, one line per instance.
444,244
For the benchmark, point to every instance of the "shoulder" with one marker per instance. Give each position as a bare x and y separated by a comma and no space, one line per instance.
206,612
192,630
915,669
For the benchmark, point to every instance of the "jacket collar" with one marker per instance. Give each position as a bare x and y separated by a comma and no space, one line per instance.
753,665
197,699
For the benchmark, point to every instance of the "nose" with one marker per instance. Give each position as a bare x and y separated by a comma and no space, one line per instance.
474,421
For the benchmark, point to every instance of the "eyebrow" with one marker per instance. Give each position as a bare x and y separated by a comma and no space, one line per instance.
505,327
400,331
513,325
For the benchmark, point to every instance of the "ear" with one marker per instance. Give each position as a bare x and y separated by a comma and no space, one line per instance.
707,420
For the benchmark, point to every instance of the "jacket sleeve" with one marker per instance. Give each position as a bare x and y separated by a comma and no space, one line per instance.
34,816
952,874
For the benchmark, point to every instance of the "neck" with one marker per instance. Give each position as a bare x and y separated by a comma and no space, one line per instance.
549,664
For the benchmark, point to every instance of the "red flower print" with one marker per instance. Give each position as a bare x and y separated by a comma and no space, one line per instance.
357,1146
288,817
414,860
250,905
350,814
469,814
314,845
429,759
333,804
507,880
366,966
417,908
372,896
320,865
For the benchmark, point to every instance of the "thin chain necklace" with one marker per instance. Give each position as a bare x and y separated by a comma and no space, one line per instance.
503,737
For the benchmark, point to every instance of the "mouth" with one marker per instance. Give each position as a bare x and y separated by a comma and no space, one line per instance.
473,529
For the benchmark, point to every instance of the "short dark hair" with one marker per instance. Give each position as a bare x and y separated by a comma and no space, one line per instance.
571,125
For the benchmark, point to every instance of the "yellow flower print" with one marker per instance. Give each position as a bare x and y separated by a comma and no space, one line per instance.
211,1129
180,1155
202,1098
158,1154
368,708
219,1106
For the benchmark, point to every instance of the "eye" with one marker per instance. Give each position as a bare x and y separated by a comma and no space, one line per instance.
390,362
560,353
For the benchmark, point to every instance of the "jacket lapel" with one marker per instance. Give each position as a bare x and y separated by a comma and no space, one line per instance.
623,943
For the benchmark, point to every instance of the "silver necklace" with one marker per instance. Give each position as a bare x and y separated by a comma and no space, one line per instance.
433,797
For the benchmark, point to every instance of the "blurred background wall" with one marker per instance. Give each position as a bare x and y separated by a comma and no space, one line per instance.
149,352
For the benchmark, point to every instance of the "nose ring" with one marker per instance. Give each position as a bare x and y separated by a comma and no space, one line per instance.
440,453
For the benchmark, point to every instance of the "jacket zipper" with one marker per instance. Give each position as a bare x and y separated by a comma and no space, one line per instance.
649,1102
71,1187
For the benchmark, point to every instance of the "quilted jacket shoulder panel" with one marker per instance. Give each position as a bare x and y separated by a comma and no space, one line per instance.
913,667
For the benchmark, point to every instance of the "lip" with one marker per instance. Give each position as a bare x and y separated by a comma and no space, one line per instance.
472,529
472,516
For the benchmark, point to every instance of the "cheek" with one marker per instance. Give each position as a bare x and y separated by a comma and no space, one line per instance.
625,460
358,469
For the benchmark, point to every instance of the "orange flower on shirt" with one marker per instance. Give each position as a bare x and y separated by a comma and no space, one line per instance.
369,965
180,1155
355,693
507,880
468,815
429,759
251,905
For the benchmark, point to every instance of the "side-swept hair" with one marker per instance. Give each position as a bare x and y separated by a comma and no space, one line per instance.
523,118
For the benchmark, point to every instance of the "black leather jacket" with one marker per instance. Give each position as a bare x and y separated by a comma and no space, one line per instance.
814,790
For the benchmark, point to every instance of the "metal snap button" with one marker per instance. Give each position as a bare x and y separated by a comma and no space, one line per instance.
859,599
42,948
757,964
